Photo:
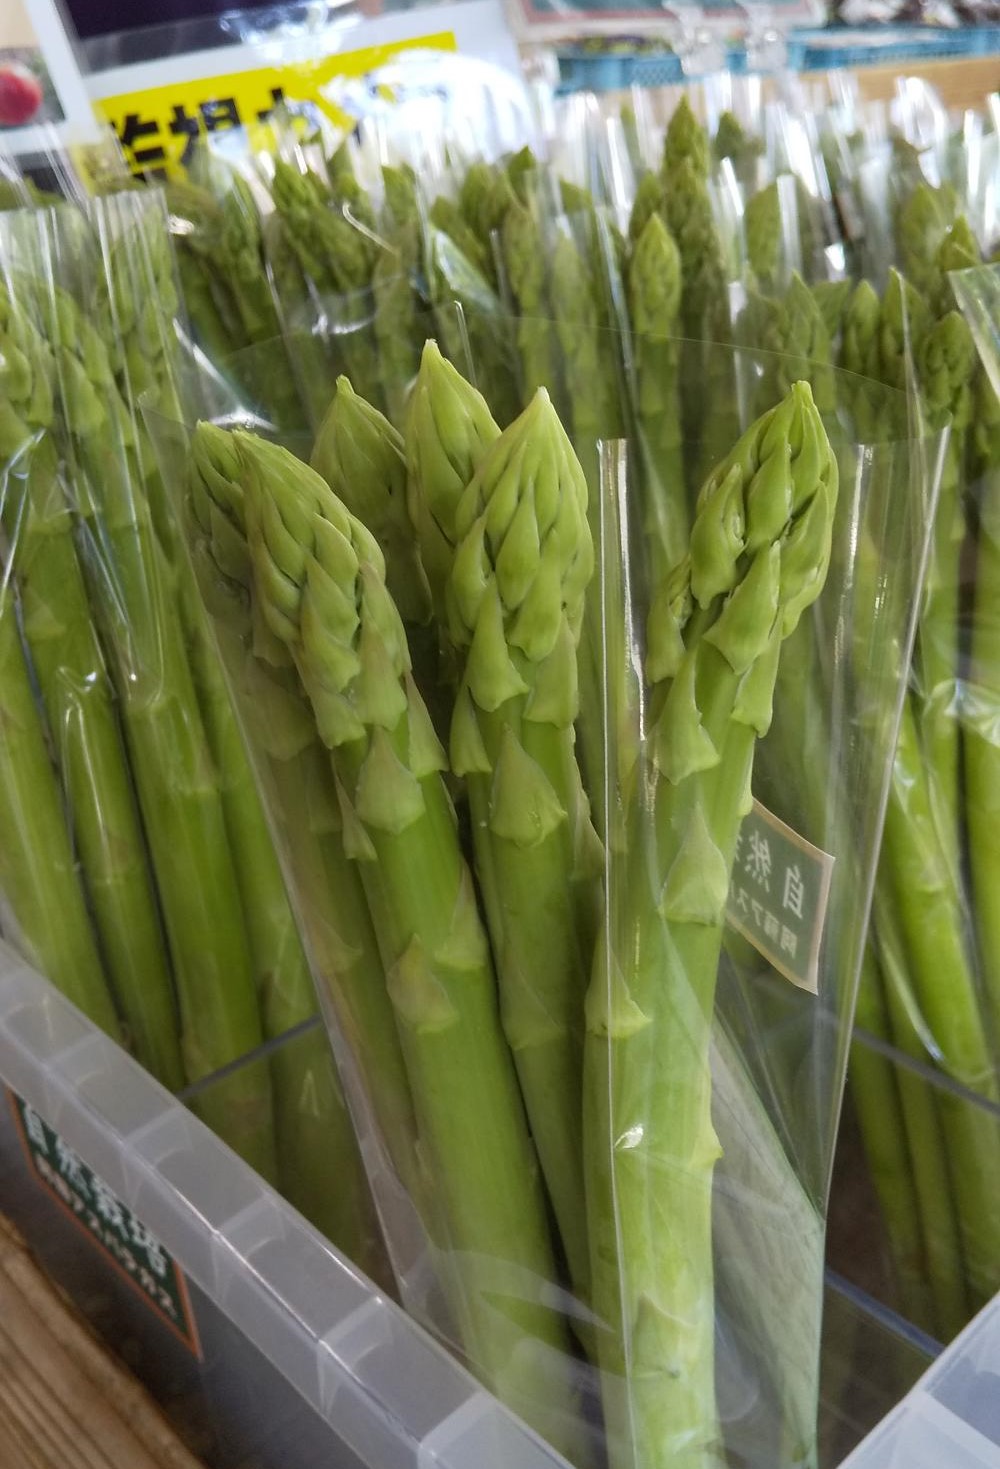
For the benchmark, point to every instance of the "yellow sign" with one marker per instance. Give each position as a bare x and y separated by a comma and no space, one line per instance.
158,126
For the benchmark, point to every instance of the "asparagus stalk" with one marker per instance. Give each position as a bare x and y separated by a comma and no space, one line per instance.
937,1217
759,552
448,430
320,577
873,1083
45,914
524,257
335,913
520,574
588,371
78,701
707,387
175,778
654,291
362,458
650,198
981,696
337,258
946,366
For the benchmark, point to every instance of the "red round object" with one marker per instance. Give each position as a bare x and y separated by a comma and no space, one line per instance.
20,95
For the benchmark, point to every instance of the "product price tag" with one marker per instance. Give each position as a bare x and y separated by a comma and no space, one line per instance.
109,1223
159,109
778,895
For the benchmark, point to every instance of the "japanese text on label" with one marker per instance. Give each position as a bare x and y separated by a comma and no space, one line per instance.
110,1223
778,895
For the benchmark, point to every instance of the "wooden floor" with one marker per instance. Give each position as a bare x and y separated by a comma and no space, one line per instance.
63,1399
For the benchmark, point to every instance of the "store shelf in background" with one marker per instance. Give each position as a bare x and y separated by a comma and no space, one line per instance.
294,1358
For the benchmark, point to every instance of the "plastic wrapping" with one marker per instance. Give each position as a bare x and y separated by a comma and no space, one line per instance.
138,870
775,1053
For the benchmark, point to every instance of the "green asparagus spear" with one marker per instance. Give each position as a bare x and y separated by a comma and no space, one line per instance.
524,257
922,219
174,773
320,577
873,1084
759,551
936,1216
48,916
79,706
982,694
484,198
447,216
650,198
448,430
363,460
762,227
520,573
832,297
331,899
945,365
708,387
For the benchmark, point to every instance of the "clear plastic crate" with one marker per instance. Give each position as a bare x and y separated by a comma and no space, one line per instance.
951,1419
297,1358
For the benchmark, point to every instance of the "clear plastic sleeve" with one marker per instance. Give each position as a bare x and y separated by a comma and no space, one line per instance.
668,1043
139,872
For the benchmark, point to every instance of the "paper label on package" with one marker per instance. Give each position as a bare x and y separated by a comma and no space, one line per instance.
778,896
108,1222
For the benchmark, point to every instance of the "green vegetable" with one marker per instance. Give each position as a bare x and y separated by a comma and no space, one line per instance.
448,430
653,287
320,577
524,255
175,777
362,459
708,387
759,551
308,1107
78,700
520,574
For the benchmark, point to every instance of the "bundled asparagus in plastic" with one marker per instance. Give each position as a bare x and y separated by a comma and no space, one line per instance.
129,583
522,564
320,580
759,553
78,700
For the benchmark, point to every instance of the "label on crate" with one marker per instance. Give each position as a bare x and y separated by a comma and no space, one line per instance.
109,1223
778,895
159,109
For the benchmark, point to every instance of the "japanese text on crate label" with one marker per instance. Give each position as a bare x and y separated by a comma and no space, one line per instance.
778,895
108,1222
159,126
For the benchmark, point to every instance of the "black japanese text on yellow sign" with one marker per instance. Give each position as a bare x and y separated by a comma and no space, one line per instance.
158,126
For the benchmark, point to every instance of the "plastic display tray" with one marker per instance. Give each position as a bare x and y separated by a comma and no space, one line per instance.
951,1419
263,1344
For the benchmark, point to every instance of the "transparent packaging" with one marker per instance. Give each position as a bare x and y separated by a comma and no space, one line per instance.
775,1053
138,869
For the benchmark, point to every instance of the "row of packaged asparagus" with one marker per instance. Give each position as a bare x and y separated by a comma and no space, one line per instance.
422,555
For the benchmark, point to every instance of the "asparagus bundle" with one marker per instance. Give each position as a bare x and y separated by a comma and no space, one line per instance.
68,663
759,552
320,579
